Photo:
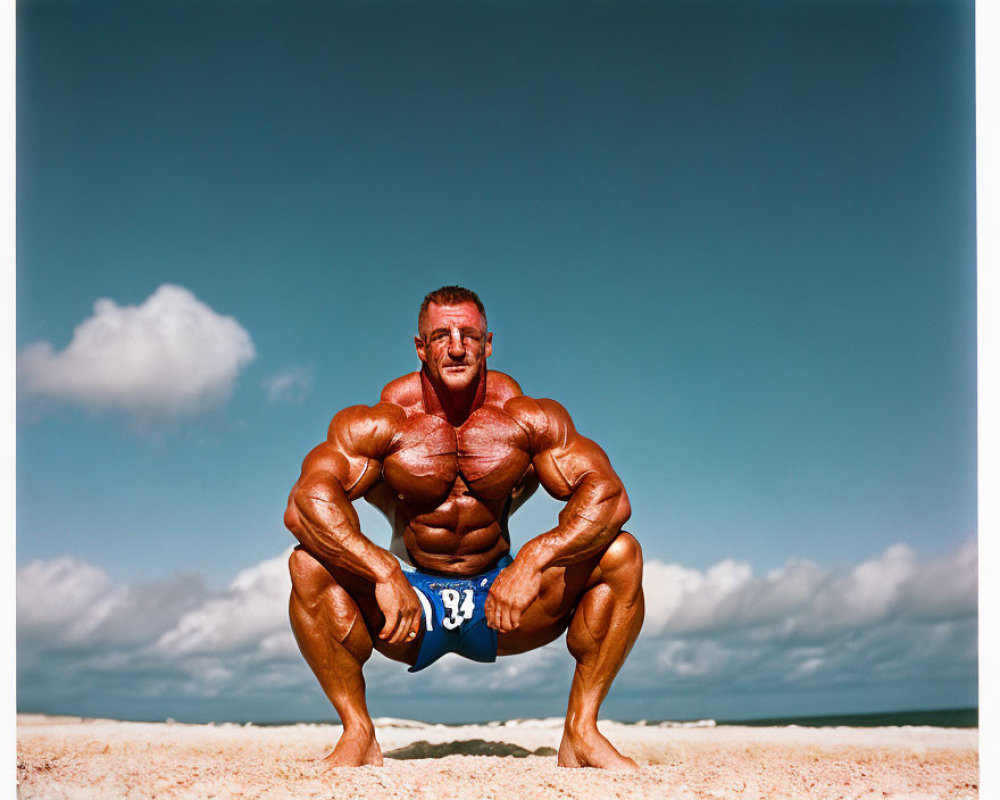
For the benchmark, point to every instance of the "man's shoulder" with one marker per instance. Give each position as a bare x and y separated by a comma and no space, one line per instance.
544,420
354,424
500,388
403,391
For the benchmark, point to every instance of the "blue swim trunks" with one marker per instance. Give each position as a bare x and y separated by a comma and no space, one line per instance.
454,619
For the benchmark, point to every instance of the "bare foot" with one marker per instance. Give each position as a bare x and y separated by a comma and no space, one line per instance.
356,748
590,749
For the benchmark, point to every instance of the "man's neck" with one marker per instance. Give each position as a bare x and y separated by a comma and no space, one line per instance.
454,407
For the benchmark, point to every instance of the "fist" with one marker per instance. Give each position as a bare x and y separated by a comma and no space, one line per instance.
514,589
399,604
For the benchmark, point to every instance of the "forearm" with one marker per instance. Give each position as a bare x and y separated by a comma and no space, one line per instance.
589,522
332,535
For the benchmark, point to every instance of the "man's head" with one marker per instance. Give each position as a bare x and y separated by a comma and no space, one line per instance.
453,342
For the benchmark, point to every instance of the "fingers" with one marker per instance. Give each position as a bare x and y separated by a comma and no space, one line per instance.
391,623
489,610
514,616
503,613
497,604
409,626
402,621
404,628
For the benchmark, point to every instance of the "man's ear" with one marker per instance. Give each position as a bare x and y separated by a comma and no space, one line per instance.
421,348
489,343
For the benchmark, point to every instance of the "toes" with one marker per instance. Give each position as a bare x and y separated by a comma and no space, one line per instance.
589,753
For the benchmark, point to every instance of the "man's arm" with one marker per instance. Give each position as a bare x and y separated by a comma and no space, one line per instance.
321,515
571,468
575,469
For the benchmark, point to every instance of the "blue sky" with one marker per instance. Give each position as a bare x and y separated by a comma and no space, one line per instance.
737,243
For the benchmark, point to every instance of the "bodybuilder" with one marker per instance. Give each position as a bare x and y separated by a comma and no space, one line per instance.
447,455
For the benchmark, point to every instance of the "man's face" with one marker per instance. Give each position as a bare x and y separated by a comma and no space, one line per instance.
453,344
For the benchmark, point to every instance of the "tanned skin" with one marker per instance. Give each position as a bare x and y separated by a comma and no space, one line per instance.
447,454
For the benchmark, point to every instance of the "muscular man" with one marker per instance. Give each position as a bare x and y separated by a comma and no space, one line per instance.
447,455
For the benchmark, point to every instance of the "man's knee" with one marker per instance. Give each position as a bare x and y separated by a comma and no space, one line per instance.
624,555
309,578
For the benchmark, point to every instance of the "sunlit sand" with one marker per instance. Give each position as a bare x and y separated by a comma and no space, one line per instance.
66,757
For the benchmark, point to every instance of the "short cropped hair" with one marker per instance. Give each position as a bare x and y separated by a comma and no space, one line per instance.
450,296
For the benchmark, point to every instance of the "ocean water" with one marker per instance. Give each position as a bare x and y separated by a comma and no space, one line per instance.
941,718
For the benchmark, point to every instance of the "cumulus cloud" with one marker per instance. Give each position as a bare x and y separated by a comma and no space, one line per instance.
252,613
290,385
51,594
890,618
802,602
68,602
171,356
893,619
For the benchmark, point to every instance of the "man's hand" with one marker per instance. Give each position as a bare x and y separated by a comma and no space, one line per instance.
514,589
398,602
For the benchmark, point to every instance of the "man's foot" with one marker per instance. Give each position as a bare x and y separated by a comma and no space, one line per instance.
590,749
355,749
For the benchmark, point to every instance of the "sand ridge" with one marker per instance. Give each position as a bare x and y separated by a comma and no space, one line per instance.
80,759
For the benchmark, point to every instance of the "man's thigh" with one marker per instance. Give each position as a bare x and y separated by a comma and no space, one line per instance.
362,592
549,615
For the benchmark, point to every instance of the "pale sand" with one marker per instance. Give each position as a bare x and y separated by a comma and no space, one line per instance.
62,757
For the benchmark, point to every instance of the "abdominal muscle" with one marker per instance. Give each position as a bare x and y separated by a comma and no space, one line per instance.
462,536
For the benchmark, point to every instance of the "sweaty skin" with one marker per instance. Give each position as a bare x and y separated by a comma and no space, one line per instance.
447,455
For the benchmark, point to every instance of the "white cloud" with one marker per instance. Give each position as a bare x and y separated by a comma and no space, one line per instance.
802,601
290,385
893,618
171,356
69,602
52,594
251,613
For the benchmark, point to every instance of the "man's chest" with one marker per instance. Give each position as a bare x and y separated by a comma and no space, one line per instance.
489,452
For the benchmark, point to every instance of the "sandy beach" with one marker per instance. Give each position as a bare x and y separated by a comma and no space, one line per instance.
78,759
